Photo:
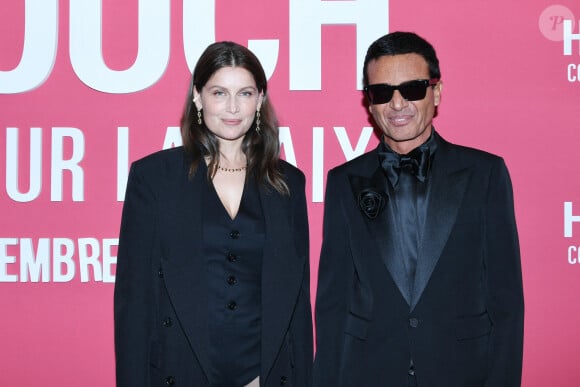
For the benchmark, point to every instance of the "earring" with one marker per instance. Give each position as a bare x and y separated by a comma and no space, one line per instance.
199,117
258,121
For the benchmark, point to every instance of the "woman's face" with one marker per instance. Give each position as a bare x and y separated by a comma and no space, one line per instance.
229,101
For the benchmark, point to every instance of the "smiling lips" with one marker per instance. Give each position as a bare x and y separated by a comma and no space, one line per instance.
400,120
231,122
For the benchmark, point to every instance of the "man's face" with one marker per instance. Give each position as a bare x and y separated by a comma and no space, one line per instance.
405,124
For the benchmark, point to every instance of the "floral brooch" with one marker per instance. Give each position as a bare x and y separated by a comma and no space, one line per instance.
371,202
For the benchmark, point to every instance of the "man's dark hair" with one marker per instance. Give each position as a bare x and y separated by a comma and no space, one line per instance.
398,43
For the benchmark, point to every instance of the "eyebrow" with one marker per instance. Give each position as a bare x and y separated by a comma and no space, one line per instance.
227,88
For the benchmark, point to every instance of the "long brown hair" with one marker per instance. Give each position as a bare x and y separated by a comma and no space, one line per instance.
262,149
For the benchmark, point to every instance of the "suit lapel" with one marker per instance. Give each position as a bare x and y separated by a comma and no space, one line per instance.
282,272
382,228
449,182
183,266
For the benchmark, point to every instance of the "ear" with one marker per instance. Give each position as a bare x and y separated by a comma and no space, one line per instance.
261,99
197,99
437,93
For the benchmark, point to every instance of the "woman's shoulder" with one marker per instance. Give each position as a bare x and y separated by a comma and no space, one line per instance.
290,172
161,157
163,163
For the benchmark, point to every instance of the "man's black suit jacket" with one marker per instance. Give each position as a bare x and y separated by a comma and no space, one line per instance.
463,326
161,325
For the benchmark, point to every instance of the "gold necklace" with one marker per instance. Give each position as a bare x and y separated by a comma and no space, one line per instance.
232,169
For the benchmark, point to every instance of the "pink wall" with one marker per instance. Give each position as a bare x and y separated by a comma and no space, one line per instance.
509,88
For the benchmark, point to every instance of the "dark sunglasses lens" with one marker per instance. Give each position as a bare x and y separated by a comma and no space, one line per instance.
379,94
414,90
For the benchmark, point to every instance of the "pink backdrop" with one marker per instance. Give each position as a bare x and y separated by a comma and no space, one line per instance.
74,110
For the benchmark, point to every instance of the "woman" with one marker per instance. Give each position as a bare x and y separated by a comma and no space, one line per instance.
212,282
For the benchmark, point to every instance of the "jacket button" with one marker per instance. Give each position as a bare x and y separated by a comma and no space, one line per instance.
232,305
232,257
283,380
167,322
170,381
232,280
160,273
414,322
235,234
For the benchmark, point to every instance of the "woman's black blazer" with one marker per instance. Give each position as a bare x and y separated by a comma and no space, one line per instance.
161,324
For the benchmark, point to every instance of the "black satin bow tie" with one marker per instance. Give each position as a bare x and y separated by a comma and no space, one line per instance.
416,163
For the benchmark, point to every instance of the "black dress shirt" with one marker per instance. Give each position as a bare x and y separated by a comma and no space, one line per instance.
410,196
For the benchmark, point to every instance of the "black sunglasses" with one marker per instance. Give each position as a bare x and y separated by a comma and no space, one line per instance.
411,90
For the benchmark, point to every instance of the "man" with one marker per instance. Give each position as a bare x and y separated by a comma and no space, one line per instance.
420,277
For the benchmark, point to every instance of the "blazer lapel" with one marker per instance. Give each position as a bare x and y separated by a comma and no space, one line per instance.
449,182
282,271
382,228
183,267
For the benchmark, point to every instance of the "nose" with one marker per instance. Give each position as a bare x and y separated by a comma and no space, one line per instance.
398,102
232,106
